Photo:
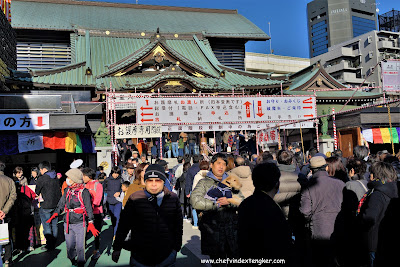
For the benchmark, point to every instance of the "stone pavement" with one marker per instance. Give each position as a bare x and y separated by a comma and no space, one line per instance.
189,255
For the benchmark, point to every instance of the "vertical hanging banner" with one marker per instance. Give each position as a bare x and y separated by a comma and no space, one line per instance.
243,109
268,136
391,75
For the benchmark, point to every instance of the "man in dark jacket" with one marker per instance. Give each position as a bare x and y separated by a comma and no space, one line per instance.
8,195
373,211
218,222
320,204
263,230
155,220
48,186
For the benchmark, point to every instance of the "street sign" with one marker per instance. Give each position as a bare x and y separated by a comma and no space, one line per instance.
18,122
241,109
391,75
137,131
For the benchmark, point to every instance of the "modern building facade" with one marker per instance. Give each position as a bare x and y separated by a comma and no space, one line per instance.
356,60
331,22
390,21
274,64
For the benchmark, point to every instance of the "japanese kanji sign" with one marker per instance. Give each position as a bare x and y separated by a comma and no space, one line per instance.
231,127
391,75
31,121
124,101
137,131
268,136
243,109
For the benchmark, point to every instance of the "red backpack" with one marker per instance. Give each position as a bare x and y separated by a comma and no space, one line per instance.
80,210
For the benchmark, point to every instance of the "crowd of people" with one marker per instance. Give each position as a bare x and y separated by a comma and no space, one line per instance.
306,209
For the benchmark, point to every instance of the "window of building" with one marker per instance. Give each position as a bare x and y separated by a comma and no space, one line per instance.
361,25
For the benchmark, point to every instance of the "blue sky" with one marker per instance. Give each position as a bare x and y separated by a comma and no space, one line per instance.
288,20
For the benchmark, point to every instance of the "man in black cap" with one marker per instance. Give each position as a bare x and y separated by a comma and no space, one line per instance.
155,220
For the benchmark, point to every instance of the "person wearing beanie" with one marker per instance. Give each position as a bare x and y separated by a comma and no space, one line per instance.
320,204
78,216
154,218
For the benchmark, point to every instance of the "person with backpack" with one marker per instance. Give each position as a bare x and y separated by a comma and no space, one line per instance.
23,211
96,193
77,207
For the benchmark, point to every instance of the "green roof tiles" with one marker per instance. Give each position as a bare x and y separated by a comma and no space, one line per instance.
66,15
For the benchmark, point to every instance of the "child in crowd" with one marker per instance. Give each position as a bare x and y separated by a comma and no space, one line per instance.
76,205
124,188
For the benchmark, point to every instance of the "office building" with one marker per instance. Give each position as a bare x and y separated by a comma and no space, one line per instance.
356,60
332,22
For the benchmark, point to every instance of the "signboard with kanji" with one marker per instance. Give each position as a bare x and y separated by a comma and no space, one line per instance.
268,136
232,127
137,131
240,109
124,101
18,122
391,75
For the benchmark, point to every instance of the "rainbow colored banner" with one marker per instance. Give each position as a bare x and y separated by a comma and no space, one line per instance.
382,135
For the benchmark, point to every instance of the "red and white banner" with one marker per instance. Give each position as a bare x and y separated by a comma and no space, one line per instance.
268,136
240,109
6,8
391,75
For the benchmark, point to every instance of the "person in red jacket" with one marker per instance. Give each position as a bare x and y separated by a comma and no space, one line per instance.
77,207
96,192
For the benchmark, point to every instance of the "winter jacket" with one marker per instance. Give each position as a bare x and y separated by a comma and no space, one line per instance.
263,229
192,138
73,203
200,175
373,210
23,181
49,186
96,193
359,187
321,202
289,187
225,137
111,186
244,174
193,170
180,186
218,225
135,186
181,144
174,137
8,193
184,136
153,228
126,177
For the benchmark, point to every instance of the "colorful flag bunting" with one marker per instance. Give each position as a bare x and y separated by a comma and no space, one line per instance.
377,136
70,142
385,135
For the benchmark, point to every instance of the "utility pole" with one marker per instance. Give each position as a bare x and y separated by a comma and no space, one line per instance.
270,40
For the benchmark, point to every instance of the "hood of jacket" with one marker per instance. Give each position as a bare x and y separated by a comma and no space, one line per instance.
212,176
51,174
242,172
287,168
389,189
202,173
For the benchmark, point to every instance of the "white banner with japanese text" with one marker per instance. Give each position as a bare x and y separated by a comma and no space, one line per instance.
232,127
124,101
137,131
18,122
239,109
268,136
391,75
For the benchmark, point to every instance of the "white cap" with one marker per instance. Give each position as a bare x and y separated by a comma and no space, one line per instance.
76,164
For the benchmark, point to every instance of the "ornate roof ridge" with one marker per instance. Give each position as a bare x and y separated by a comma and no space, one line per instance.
36,72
